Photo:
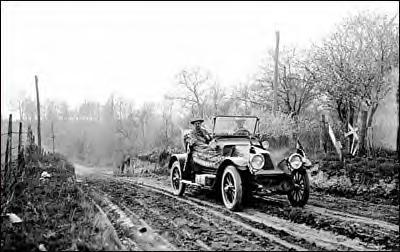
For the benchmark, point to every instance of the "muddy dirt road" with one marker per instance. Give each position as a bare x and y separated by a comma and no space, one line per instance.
148,217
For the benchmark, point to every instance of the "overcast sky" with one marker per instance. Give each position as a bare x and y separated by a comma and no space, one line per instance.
86,50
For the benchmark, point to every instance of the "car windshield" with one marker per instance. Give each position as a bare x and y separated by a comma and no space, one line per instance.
231,125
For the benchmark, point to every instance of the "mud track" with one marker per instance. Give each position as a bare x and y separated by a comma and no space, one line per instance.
185,224
198,221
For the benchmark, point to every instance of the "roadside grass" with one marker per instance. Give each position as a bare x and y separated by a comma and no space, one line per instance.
56,214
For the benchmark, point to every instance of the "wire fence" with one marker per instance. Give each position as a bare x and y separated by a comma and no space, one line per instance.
14,140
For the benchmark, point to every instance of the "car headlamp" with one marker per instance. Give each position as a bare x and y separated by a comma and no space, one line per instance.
306,162
257,161
295,161
265,144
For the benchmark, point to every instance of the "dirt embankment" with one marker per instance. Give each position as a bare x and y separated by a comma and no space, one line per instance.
374,180
55,213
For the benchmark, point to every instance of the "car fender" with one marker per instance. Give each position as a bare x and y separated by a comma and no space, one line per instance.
177,157
240,163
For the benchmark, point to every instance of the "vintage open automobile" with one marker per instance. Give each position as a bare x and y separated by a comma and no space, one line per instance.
246,167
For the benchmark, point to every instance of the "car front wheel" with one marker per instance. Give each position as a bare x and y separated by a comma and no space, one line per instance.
298,197
231,188
178,188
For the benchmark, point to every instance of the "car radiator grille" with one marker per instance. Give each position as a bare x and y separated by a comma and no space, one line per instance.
268,163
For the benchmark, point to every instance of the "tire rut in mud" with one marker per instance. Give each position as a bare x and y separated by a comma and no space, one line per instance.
184,225
260,228
290,231
369,232
365,236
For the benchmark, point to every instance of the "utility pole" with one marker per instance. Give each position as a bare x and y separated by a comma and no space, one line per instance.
52,136
38,114
276,74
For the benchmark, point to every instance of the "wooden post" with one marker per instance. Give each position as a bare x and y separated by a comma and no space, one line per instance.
7,159
323,141
19,137
276,74
38,114
10,137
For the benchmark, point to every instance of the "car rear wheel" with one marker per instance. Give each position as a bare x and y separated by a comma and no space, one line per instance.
231,188
178,188
298,197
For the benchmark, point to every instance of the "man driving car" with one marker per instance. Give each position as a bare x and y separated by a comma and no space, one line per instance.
240,129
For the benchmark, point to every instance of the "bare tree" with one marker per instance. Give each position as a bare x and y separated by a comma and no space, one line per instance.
145,113
297,82
64,110
193,85
217,99
353,62
167,121
51,110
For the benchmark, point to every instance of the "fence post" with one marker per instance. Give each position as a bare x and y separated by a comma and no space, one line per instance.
19,137
20,149
10,139
7,162
6,158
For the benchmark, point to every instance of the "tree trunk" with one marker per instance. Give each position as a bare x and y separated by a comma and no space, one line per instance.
350,120
324,135
369,128
363,130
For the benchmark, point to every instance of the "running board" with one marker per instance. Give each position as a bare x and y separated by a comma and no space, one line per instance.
188,182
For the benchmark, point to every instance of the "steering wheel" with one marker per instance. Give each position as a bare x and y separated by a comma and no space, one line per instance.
242,132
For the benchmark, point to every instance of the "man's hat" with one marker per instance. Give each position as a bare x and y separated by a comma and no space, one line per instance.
196,120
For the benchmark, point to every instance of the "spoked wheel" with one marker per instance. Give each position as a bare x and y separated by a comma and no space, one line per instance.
178,188
231,188
298,197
